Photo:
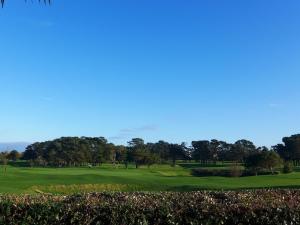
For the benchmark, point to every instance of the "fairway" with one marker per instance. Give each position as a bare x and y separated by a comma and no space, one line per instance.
107,178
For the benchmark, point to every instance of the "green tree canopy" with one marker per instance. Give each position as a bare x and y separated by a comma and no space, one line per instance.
263,160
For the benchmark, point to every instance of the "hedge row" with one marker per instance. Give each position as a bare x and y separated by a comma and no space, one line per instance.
244,207
231,172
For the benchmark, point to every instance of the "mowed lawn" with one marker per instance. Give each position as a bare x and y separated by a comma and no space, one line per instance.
107,178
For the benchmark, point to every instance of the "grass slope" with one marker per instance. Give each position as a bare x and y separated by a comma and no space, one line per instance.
157,178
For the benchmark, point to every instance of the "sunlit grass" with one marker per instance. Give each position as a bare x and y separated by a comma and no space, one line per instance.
108,178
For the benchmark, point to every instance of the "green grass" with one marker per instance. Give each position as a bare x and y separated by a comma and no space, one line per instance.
157,178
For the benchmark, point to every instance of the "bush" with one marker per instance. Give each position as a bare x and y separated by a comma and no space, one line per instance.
249,172
201,172
234,171
268,207
288,167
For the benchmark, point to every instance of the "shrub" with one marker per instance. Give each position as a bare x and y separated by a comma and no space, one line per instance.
288,167
235,171
202,172
268,207
249,172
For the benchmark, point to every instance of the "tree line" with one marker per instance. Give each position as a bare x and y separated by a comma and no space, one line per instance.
79,151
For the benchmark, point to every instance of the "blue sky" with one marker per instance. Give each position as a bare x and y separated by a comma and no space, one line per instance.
172,70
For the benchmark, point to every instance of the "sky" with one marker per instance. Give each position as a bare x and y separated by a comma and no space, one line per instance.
172,70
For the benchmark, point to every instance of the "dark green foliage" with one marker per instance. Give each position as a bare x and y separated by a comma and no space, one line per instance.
282,151
263,160
141,154
214,150
234,171
229,208
77,151
201,172
14,155
72,151
290,150
241,149
177,152
201,151
288,167
248,173
231,172
292,147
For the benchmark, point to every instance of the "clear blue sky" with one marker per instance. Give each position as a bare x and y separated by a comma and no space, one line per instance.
159,69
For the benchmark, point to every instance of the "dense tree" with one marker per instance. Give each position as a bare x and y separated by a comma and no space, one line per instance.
201,151
160,148
140,153
281,150
224,153
67,151
215,148
210,151
33,151
263,160
241,149
136,143
292,148
177,152
136,151
120,154
272,160
254,162
77,151
14,155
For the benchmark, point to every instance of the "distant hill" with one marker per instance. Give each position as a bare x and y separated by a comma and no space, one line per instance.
7,146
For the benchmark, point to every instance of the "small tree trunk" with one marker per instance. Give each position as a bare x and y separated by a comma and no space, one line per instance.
174,163
272,170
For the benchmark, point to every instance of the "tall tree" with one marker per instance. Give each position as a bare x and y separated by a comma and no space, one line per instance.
201,151
136,143
282,151
292,146
177,152
242,149
136,151
160,148
13,155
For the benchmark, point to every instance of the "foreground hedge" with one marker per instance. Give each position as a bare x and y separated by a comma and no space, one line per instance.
245,207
